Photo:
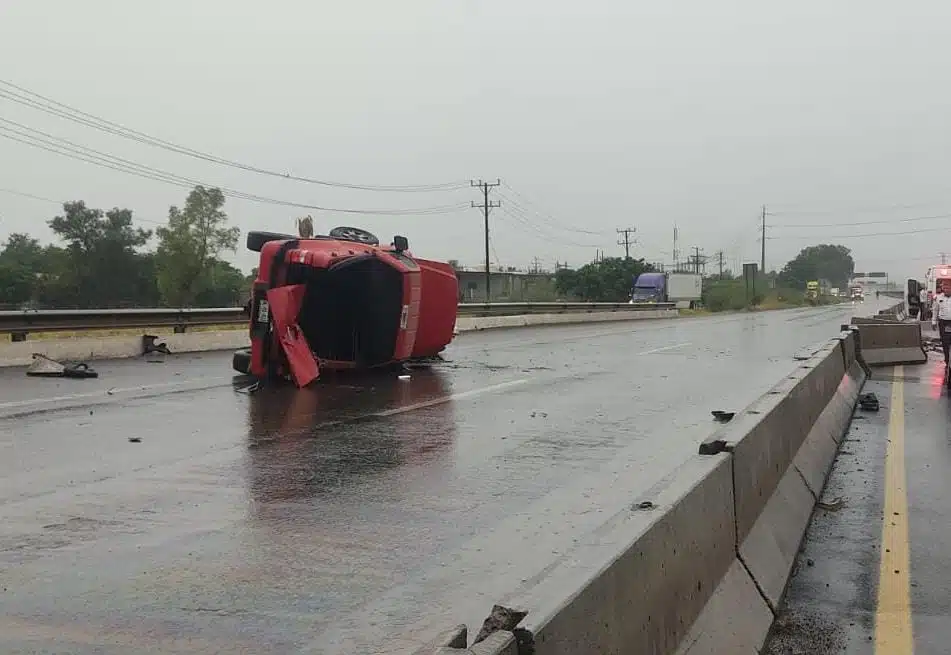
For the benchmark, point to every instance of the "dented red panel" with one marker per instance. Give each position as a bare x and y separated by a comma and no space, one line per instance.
437,307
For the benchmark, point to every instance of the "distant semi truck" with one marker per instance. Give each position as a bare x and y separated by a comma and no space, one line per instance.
683,289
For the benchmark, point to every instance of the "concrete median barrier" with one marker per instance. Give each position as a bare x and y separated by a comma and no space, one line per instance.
20,353
780,466
889,344
476,323
644,580
701,562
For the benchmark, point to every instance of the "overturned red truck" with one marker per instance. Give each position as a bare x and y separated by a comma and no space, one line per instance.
343,301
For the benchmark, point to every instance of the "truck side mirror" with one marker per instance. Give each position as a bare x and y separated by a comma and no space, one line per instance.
400,243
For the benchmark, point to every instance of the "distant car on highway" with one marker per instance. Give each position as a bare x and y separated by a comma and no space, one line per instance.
343,301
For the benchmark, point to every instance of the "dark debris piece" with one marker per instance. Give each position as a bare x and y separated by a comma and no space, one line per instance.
869,402
723,417
149,346
46,367
501,618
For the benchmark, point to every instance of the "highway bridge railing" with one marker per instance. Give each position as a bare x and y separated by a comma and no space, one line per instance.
21,323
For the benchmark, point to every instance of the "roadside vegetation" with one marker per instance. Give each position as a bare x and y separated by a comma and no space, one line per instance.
103,261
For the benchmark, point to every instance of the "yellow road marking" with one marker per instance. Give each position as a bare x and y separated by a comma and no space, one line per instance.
893,631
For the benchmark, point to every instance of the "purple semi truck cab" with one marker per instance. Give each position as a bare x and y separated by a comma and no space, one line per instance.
649,287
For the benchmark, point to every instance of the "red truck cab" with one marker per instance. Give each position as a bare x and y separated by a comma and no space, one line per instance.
360,305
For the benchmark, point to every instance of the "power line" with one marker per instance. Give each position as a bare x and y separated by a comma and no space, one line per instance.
911,219
47,105
51,143
842,210
545,215
12,192
527,225
866,235
63,202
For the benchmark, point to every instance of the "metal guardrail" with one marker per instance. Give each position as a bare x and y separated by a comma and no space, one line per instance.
21,323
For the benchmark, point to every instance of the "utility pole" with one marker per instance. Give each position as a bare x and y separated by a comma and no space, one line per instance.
676,252
762,263
720,258
485,207
944,258
626,240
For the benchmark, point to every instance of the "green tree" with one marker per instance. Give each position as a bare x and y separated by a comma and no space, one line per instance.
822,262
20,260
566,281
226,286
607,280
190,244
100,266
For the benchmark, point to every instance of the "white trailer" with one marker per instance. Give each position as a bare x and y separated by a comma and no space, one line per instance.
684,289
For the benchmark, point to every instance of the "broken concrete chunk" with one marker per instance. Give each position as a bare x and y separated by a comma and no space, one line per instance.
500,618
43,366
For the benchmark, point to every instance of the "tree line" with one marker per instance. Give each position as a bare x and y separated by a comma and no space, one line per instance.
610,279
103,261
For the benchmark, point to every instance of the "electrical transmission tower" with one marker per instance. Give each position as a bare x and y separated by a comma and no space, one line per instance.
486,206
626,240
698,261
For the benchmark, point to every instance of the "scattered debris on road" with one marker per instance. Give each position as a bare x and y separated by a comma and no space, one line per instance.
501,618
149,346
723,417
135,439
46,367
833,506
869,402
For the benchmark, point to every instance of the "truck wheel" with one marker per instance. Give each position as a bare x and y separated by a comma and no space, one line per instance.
256,240
241,361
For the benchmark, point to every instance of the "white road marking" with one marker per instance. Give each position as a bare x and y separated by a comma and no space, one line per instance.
105,393
665,348
445,399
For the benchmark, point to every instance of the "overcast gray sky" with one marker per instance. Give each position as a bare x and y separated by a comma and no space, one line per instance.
598,115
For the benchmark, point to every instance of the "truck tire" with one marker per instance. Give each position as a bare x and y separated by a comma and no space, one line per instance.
256,240
241,361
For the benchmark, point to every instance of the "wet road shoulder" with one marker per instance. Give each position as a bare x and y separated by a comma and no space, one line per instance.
872,574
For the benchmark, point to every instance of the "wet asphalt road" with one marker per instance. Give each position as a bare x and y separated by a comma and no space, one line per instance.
367,512
835,597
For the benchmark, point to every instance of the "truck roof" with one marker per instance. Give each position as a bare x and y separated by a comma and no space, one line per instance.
649,277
